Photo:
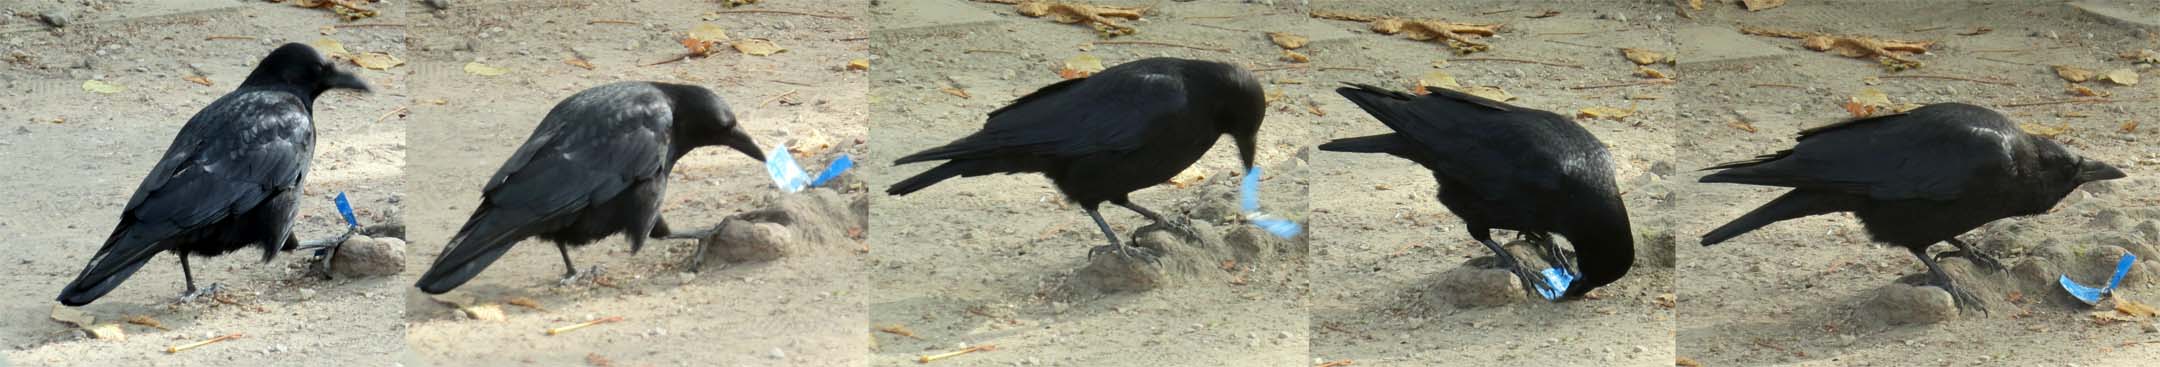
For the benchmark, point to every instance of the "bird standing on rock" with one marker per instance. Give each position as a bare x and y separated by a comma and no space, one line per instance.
231,178
596,166
1099,138
1914,179
1500,166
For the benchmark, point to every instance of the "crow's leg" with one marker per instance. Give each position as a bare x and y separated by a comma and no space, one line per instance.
1129,252
189,274
1554,256
326,251
1967,251
1963,299
1180,225
1532,282
570,273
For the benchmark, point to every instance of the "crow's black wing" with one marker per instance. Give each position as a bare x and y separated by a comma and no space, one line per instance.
585,152
1497,148
1104,113
1928,153
238,152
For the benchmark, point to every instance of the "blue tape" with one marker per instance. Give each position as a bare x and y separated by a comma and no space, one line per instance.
786,174
1249,200
344,207
2092,295
1556,283
839,165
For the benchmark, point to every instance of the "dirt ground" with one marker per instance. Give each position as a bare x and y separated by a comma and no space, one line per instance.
725,315
987,260
74,157
1383,238
1799,292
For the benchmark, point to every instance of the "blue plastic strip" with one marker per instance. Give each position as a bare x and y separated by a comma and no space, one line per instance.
2092,295
838,166
786,175
344,207
1249,200
1556,283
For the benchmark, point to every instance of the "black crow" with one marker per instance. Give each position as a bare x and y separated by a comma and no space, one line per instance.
1500,166
1102,137
1914,179
596,166
230,179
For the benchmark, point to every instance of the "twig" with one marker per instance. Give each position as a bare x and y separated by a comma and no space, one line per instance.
214,38
369,25
933,358
799,84
1757,85
1633,83
789,12
1496,11
2005,61
1284,67
2074,100
1516,60
1153,43
1562,34
387,115
611,21
1575,44
980,50
1946,77
1326,68
581,325
184,347
1927,29
769,100
668,61
1222,27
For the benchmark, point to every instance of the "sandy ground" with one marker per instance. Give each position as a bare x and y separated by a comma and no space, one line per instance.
985,260
1383,237
796,311
1796,293
74,157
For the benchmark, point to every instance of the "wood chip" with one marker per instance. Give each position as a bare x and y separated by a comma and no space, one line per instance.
1288,41
956,92
197,79
2073,74
1642,56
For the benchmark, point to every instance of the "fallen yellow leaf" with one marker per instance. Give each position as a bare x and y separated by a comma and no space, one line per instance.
477,68
1288,41
102,87
2121,76
330,48
708,32
2073,74
858,64
1489,92
1602,112
1295,57
1080,66
2044,130
758,47
1435,78
377,60
1641,56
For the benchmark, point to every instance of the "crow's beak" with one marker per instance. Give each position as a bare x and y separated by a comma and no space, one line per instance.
741,142
2092,170
1245,147
346,80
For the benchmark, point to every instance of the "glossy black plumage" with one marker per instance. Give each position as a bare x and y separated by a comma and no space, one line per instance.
1501,166
596,166
230,179
1100,138
1914,178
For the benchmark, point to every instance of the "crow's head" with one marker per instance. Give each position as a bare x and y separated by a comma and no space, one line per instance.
298,67
702,119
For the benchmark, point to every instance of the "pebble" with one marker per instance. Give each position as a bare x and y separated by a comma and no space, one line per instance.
56,18
778,354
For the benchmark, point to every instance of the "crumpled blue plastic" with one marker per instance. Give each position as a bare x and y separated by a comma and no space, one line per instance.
1556,282
786,175
345,208
1249,200
2092,295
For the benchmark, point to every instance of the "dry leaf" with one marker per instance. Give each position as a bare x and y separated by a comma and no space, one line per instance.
2073,74
477,68
1295,57
377,60
758,47
1313,106
1742,125
526,303
1685,361
2121,76
1641,56
102,87
330,48
486,312
2128,127
1435,78
897,329
2044,130
2082,91
580,63
1602,112
2142,56
1867,102
1761,5
708,32
956,92
1080,66
1187,179
858,64
1288,41
145,320
2134,308
1489,92
1097,16
1647,72
197,79
1694,4
107,332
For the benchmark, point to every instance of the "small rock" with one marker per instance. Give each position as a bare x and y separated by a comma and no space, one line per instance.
1899,304
363,256
487,312
438,4
778,354
55,18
